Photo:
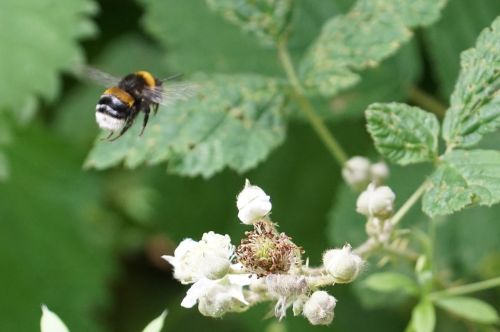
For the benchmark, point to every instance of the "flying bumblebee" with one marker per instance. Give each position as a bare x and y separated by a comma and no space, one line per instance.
123,100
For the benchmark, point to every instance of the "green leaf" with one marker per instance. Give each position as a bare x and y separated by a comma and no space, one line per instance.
372,31
456,31
388,282
464,179
39,39
402,133
218,47
266,19
476,248
156,324
423,317
389,82
54,247
475,102
4,166
469,308
234,121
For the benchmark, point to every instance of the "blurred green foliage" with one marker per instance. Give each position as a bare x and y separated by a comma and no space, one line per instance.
87,242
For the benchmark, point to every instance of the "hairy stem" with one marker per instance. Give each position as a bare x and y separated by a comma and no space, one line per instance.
466,289
409,203
427,101
306,107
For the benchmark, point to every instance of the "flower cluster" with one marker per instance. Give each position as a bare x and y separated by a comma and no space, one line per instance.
376,202
266,266
359,171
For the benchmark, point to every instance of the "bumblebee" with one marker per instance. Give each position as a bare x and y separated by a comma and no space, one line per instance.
139,92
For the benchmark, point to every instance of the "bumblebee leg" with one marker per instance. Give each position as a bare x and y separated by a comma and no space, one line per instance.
145,122
129,123
107,137
155,108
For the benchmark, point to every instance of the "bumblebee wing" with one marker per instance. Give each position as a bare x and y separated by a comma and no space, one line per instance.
97,76
170,93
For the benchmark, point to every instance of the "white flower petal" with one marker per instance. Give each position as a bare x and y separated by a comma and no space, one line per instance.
169,259
50,322
156,324
241,279
194,292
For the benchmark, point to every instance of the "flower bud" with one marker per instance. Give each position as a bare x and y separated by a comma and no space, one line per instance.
253,204
319,308
379,172
342,264
376,201
356,172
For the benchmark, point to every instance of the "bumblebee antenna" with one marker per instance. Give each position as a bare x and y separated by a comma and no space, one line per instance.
173,77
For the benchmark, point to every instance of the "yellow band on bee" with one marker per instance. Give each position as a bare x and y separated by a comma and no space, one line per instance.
147,77
120,94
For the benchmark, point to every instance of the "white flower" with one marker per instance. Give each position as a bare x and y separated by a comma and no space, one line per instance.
50,322
217,297
209,258
379,172
253,204
342,264
319,308
356,172
376,201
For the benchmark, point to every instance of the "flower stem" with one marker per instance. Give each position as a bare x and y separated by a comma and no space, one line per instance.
306,107
466,289
366,248
427,101
403,253
409,203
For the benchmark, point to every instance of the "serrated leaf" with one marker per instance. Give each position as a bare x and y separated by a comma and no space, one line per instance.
369,33
389,82
402,133
225,48
475,102
418,12
234,121
456,31
217,47
266,19
469,308
464,179
389,282
39,39
423,317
